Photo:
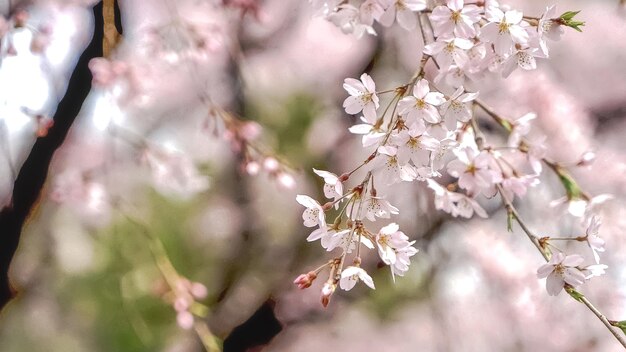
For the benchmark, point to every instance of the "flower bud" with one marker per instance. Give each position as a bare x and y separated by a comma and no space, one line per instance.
270,164
587,159
184,320
327,292
305,280
252,168
286,180
198,290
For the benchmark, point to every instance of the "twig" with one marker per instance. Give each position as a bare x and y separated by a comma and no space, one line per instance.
511,211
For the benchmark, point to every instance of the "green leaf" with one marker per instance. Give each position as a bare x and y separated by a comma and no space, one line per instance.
569,15
575,294
571,186
620,324
567,19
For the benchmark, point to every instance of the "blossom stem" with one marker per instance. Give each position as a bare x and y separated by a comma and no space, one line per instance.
604,321
172,277
209,341
510,208
568,182
479,139
494,115
563,239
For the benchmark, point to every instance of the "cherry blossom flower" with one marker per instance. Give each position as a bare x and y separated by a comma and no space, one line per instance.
422,105
314,213
414,144
447,51
371,133
441,150
347,18
522,58
333,188
455,204
371,10
594,270
561,269
454,18
388,239
548,26
503,30
402,11
351,275
466,207
474,171
362,97
457,107
378,207
390,168
517,186
579,207
595,242
330,238
403,260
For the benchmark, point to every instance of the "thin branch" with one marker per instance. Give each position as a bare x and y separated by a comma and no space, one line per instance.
512,212
604,321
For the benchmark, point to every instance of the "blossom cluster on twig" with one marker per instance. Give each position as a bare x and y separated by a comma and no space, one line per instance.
428,128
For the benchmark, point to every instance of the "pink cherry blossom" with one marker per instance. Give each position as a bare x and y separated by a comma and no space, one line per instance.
454,18
503,30
351,275
421,105
561,270
595,242
362,97
475,171
448,51
403,12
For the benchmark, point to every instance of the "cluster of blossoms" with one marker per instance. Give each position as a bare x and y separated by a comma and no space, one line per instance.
183,297
243,138
427,132
469,39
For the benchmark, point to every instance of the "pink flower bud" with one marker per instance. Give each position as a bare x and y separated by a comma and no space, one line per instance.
286,180
198,290
252,168
181,304
270,164
587,159
44,124
184,319
305,280
250,130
